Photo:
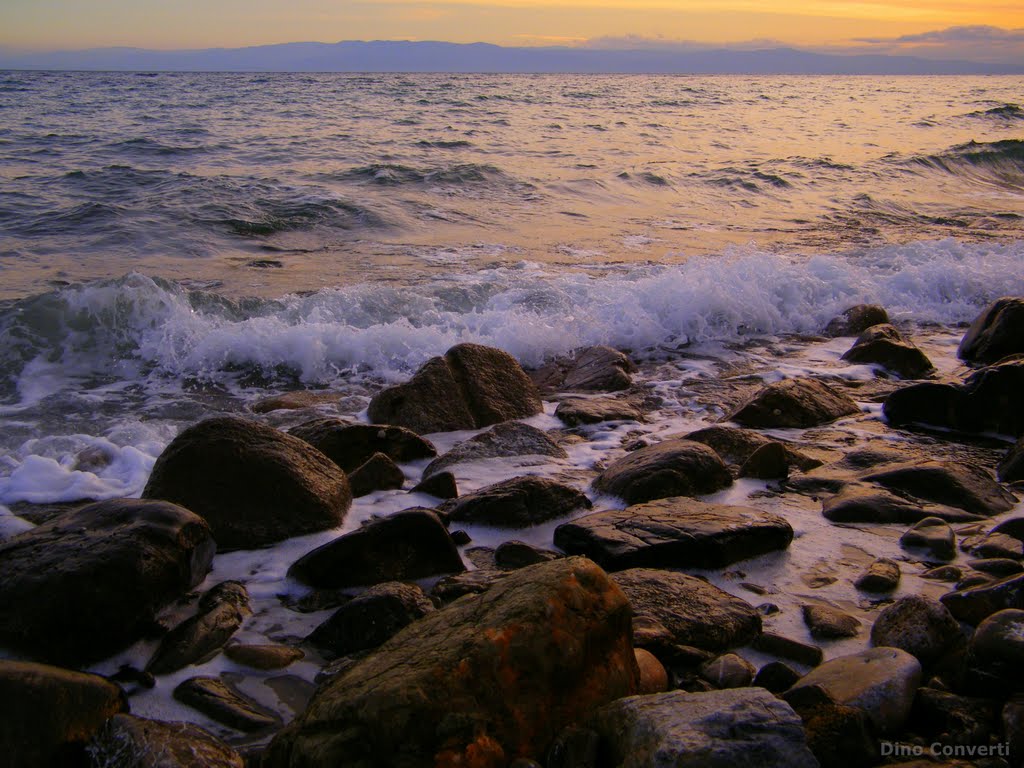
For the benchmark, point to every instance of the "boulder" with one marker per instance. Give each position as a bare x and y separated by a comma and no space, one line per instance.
377,473
1011,466
51,713
575,411
476,582
728,671
350,445
883,575
488,679
510,438
826,622
736,446
997,649
788,648
988,401
918,625
471,387
932,535
696,613
775,676
516,503
221,702
958,484
992,545
884,345
839,735
669,468
676,532
593,369
371,618
880,681
995,333
653,677
736,728
859,503
996,566
510,555
411,544
293,401
254,485
263,656
127,741
92,581
955,720
856,320
769,462
794,403
440,485
221,612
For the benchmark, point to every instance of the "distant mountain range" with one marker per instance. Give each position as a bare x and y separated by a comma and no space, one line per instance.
390,56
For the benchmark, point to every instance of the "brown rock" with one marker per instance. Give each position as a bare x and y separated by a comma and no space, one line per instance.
769,462
736,445
576,410
884,345
669,468
516,503
856,320
127,741
794,403
505,440
350,445
918,625
883,575
378,473
995,333
653,677
264,656
293,401
829,623
221,702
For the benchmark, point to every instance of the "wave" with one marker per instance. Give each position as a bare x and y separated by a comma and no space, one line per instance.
392,174
1004,112
159,334
1000,162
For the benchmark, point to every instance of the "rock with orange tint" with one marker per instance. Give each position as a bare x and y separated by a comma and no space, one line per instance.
489,679
653,677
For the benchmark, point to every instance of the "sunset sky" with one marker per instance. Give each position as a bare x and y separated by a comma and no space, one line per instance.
891,26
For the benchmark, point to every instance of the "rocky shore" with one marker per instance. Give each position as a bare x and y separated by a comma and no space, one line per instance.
552,568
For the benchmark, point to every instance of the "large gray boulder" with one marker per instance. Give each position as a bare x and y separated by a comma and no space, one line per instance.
669,468
254,485
472,386
92,581
735,728
695,612
677,532
486,680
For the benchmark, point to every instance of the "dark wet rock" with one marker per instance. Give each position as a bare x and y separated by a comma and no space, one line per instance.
132,680
575,747
219,701
510,438
988,401
516,503
739,728
997,566
482,682
577,410
769,462
471,387
954,719
653,677
293,401
50,713
127,741
674,533
956,484
221,612
794,403
263,656
728,671
697,613
469,583
880,681
411,544
995,333
884,345
839,736
974,580
1011,467
91,582
858,503
943,573
932,535
371,618
510,555
440,485
883,575
37,514
669,468
978,603
736,446
993,544
1012,721
828,623
378,473
592,369
350,445
787,648
997,649
856,320
1013,526
918,625
254,485
775,676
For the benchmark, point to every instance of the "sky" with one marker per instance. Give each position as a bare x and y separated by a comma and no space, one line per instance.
969,29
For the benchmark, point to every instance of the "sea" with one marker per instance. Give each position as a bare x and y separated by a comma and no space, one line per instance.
181,245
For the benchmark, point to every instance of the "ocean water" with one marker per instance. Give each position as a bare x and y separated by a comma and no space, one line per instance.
175,246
